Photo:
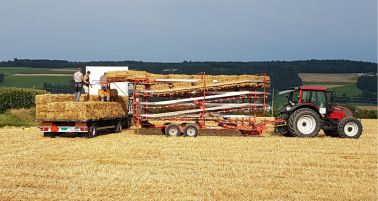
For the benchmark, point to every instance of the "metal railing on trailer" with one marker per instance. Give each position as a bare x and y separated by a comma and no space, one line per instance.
204,107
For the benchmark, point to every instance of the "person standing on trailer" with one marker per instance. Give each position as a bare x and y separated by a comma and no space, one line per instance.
78,79
86,82
105,89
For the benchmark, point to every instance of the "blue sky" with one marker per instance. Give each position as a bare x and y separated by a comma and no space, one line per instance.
199,30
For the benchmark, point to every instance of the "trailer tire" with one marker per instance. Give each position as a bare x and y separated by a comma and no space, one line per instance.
172,130
128,122
118,127
304,122
49,134
191,130
164,126
92,131
349,127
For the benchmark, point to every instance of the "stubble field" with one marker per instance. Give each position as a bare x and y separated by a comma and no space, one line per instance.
139,166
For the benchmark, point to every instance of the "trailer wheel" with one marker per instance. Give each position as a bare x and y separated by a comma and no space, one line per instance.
49,134
163,130
172,130
191,130
349,127
164,126
92,131
128,122
118,127
304,122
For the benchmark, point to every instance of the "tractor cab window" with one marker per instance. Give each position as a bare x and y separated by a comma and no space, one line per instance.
315,97
294,97
330,97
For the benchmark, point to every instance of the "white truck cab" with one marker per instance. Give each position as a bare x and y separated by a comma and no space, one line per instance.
98,71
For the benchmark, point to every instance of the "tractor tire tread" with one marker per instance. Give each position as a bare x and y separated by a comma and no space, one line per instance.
294,117
342,123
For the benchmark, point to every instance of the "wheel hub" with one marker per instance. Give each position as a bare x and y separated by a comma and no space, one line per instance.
351,129
306,124
172,132
191,131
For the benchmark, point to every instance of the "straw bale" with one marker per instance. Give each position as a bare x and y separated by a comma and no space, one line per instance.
49,98
81,110
216,81
113,92
62,107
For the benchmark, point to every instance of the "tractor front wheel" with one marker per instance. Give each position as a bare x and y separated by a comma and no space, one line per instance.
304,122
349,127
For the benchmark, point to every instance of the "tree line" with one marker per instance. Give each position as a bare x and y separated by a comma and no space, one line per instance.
367,82
284,74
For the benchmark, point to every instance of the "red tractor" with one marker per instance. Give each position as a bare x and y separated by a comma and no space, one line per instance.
310,109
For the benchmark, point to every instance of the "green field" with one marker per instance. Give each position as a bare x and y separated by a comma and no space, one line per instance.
34,81
343,84
29,70
345,88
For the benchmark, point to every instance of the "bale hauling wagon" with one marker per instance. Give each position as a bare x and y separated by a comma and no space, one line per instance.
58,113
184,104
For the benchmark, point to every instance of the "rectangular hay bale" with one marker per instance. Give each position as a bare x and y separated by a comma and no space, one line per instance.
210,79
81,111
62,107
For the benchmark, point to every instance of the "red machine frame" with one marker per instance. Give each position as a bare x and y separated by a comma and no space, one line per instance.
247,126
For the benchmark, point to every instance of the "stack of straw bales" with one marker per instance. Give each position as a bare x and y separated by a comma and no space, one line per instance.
211,80
62,107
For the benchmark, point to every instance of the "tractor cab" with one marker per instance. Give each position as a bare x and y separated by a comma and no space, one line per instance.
317,98
311,108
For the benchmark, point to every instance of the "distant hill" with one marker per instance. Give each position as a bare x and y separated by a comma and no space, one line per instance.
284,74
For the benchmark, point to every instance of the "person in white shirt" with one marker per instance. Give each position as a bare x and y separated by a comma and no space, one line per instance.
78,79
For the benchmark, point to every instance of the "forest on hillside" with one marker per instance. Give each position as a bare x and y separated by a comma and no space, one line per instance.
284,74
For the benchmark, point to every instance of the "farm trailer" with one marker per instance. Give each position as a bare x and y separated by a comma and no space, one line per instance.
59,114
218,105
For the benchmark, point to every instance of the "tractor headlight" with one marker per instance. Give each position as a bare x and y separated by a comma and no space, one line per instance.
288,108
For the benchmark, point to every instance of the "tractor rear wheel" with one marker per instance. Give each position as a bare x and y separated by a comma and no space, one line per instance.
282,129
349,127
304,122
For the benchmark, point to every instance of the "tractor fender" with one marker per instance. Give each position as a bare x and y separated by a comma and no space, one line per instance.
310,106
340,112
